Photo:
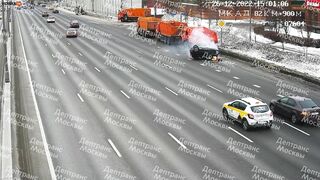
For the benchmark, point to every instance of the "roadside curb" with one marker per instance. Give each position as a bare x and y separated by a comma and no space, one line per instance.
282,69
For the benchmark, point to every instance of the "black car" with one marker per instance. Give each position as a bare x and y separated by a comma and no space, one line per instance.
297,109
74,24
45,14
55,11
204,53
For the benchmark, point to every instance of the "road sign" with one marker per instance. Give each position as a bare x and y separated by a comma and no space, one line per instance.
221,23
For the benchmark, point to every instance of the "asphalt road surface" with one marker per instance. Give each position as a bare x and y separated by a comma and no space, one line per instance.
109,105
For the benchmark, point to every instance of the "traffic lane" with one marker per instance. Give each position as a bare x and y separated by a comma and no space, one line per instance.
26,130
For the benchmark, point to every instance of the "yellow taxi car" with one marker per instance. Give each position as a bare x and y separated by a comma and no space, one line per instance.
250,112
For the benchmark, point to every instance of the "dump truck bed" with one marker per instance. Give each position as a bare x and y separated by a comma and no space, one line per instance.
171,28
148,23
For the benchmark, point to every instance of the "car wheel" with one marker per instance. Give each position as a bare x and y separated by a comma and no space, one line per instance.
245,125
225,114
294,119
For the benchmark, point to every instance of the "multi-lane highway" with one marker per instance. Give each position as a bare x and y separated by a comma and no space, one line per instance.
110,105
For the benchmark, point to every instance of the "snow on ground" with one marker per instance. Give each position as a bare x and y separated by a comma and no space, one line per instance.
300,33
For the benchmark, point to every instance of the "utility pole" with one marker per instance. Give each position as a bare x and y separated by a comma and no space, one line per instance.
3,19
155,8
250,23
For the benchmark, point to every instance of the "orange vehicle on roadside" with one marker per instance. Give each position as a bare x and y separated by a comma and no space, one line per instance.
132,14
147,26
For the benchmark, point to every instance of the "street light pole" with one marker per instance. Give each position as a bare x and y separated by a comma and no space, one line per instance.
3,19
250,24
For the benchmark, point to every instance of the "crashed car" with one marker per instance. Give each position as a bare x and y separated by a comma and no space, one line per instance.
205,53
203,43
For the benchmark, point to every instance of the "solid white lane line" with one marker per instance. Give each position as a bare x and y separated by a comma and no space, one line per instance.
43,136
97,69
80,54
257,86
68,43
241,134
172,91
114,148
214,88
63,71
80,97
218,70
177,54
177,141
296,128
134,68
235,77
125,94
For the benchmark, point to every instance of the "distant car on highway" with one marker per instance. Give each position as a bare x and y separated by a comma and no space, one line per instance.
72,32
55,11
74,24
45,14
250,112
297,109
51,19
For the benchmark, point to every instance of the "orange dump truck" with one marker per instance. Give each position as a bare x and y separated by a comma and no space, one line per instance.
171,31
147,26
132,14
